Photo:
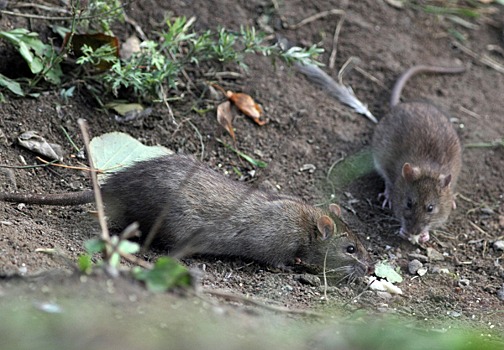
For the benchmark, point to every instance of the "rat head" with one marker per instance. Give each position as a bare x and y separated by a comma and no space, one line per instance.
337,248
421,201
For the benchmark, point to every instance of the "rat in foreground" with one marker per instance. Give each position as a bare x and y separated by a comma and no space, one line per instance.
417,152
217,216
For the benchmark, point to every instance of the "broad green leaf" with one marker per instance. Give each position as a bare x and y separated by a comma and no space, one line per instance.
85,264
384,270
94,245
128,247
12,85
254,162
167,273
114,151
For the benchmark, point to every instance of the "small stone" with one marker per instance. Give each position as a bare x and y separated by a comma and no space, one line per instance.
464,282
434,255
498,245
311,280
384,295
454,313
308,167
437,269
501,220
420,257
413,266
422,271
487,211
500,293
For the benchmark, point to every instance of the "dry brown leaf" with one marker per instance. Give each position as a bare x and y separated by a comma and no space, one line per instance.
247,105
225,117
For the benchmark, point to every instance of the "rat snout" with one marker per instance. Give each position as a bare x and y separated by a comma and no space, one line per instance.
415,238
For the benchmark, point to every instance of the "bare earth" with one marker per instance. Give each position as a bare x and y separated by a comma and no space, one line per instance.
305,127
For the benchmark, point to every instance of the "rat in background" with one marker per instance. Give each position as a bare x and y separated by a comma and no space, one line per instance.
217,216
417,152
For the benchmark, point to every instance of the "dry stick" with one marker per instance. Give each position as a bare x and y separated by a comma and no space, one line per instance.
469,112
371,77
347,66
49,18
316,17
244,299
67,166
94,179
135,25
334,51
480,57
165,100
196,130
479,229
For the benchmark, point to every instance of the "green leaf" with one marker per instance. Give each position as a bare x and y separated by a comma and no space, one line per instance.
114,151
384,270
85,263
166,274
12,85
94,245
126,246
254,162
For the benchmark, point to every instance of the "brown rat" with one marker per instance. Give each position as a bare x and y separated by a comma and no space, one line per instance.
218,216
418,153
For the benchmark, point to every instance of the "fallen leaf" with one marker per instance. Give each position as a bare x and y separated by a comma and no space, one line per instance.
129,47
247,105
36,143
225,117
94,41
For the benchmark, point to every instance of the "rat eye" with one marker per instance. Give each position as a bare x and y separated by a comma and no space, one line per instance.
350,249
409,203
430,208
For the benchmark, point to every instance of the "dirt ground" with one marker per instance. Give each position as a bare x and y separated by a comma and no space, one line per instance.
305,127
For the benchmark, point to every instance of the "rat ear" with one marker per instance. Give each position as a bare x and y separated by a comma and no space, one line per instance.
335,209
325,226
410,173
444,180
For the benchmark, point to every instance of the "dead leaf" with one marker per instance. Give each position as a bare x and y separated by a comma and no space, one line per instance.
225,117
36,143
247,105
129,47
94,41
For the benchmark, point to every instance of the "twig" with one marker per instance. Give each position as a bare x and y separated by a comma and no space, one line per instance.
135,25
49,18
165,100
349,64
94,179
479,229
28,166
244,299
316,17
69,138
480,57
67,166
40,6
200,138
469,112
371,77
334,51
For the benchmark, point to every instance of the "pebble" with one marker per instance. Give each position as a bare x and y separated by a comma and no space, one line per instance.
413,266
420,257
422,271
311,280
500,293
434,255
498,245
464,282
437,269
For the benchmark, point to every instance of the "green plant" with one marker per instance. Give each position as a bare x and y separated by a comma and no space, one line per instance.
42,59
158,66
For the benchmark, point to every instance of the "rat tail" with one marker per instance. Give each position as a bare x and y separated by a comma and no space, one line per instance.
70,198
399,85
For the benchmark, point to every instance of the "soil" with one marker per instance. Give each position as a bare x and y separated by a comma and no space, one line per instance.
305,127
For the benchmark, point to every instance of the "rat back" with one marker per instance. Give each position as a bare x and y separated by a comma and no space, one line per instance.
417,133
